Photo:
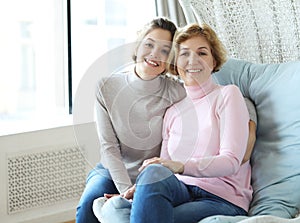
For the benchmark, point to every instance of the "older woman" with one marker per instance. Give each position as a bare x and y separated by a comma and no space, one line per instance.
199,173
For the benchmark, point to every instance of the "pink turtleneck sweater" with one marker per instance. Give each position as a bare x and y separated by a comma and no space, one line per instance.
208,132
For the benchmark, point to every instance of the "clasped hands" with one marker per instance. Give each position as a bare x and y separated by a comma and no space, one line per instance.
174,166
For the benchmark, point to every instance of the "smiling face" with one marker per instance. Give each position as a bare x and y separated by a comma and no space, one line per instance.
152,54
195,61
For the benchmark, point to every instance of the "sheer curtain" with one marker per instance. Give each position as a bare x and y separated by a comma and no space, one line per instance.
265,31
172,10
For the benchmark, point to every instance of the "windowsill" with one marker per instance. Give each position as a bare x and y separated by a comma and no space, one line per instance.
12,127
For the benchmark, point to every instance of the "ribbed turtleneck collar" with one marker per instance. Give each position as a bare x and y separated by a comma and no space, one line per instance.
199,91
144,86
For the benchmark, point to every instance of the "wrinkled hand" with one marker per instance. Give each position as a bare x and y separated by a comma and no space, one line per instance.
174,166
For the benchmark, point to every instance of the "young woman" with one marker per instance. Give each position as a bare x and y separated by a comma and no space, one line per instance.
129,109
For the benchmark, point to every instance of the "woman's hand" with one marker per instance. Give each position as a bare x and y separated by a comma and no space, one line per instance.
174,166
110,195
129,193
251,141
147,162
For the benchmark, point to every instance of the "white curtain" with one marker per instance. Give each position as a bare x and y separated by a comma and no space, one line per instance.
265,31
172,10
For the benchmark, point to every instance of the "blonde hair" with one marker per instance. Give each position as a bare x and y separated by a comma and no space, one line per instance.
217,48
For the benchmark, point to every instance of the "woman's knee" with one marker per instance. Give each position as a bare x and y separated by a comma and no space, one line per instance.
153,173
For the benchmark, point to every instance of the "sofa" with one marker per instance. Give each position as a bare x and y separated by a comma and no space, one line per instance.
275,160
276,156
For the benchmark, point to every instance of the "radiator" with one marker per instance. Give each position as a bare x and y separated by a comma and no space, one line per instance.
38,179
43,174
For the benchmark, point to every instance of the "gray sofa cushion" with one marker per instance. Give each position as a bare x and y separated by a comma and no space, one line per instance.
275,90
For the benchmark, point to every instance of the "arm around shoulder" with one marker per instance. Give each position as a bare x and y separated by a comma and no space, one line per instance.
252,130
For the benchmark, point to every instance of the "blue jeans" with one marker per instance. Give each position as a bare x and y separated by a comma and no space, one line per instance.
161,197
98,182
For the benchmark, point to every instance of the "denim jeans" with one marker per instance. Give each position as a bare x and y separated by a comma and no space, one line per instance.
161,197
98,182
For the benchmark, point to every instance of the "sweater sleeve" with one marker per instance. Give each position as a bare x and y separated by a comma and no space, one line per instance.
251,110
109,146
233,134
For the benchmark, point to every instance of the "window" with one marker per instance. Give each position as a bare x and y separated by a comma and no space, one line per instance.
32,63
101,25
34,83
